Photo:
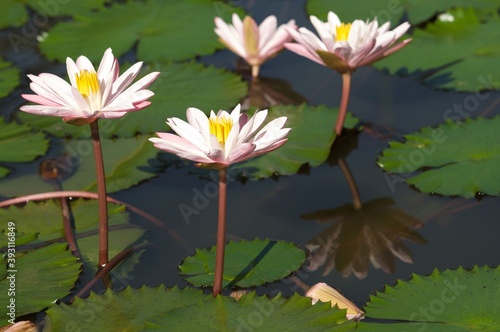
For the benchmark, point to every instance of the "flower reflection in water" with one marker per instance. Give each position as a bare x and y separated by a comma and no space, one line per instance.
265,92
361,233
357,237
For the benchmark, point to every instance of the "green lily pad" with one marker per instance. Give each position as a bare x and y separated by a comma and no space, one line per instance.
19,144
174,309
179,87
309,141
452,159
126,162
453,300
246,263
9,78
422,10
253,313
41,277
166,30
465,52
124,311
42,221
14,13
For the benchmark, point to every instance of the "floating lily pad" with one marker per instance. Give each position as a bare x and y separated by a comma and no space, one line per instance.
9,78
188,309
124,311
309,141
179,87
422,10
453,300
42,221
452,159
246,263
126,162
173,30
465,52
19,144
253,313
14,12
41,277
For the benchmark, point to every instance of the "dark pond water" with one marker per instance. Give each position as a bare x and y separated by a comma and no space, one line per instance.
457,231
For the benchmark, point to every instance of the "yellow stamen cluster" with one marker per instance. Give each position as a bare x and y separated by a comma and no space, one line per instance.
87,83
220,128
343,32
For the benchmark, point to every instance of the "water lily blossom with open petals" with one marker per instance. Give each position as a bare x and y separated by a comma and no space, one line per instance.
254,43
222,139
345,47
92,94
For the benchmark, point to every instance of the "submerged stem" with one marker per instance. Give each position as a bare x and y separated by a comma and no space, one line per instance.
344,101
356,199
101,191
221,234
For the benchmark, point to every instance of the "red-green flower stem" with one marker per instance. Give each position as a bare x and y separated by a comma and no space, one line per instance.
101,192
346,89
221,234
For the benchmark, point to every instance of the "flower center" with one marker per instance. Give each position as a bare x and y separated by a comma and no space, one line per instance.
343,31
87,83
220,128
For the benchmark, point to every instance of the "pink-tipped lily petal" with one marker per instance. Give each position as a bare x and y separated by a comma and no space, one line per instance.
325,293
356,44
90,94
223,138
252,42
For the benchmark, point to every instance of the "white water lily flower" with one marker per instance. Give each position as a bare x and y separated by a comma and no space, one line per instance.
345,47
92,94
221,139
252,42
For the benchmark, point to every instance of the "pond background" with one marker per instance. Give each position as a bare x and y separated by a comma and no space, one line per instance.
458,231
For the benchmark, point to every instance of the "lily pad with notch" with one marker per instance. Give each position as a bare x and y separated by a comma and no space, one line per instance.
246,263
465,52
127,161
18,143
453,159
166,30
40,276
452,300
